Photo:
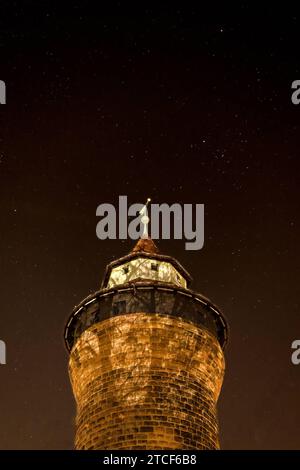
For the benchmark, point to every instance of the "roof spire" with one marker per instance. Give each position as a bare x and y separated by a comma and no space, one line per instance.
145,243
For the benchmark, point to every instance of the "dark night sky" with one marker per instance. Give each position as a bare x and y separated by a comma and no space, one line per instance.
180,104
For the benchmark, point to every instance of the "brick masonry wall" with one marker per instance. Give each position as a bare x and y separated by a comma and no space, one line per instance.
146,381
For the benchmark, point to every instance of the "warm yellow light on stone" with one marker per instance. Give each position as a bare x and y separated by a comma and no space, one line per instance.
146,381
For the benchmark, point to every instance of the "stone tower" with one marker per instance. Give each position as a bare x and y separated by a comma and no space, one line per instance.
146,358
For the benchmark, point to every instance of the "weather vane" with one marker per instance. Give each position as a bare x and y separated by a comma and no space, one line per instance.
145,219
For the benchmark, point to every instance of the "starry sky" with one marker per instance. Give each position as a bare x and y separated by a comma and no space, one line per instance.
177,103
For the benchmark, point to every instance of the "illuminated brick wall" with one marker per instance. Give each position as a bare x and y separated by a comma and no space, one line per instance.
146,381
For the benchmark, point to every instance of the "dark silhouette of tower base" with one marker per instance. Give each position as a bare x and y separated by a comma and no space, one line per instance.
146,358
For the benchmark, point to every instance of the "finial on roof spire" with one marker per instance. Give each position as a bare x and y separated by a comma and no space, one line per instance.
145,219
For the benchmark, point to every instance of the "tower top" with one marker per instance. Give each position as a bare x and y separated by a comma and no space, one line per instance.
161,277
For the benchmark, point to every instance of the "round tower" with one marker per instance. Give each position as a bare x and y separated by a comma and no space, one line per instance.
146,358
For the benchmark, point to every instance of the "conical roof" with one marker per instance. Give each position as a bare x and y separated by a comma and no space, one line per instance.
146,245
